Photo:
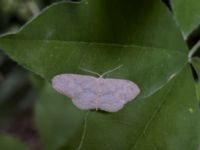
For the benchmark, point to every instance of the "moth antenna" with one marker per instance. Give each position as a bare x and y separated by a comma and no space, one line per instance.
109,71
101,76
92,72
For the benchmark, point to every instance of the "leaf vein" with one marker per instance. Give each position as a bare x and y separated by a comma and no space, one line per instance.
84,132
101,44
155,113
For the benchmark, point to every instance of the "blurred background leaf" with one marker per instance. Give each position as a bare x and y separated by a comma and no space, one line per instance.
187,14
10,143
17,85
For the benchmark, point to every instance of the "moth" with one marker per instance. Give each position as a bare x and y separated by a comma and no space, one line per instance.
89,92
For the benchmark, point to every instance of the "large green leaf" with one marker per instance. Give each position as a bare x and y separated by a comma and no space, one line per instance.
10,143
101,35
187,14
167,120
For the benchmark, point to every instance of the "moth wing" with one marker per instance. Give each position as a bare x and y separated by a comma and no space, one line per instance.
89,92
110,103
71,85
86,99
116,93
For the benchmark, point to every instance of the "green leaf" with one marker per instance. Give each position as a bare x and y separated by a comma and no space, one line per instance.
167,120
197,85
10,143
196,64
187,14
57,119
101,35
194,51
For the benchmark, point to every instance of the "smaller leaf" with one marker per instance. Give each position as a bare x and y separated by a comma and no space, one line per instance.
196,64
187,14
198,90
195,50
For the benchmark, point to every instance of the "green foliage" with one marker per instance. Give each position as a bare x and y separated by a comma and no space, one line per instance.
196,64
10,143
90,38
101,35
187,14
57,119
167,120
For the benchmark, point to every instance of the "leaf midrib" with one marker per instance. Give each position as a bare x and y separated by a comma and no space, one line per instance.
99,43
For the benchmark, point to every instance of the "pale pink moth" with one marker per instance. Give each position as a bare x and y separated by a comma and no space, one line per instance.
88,92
